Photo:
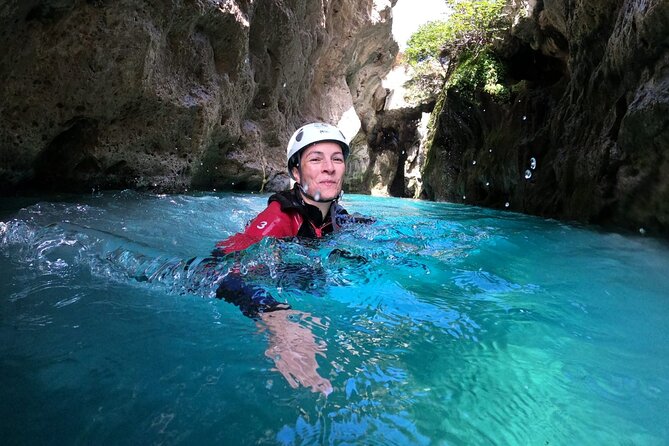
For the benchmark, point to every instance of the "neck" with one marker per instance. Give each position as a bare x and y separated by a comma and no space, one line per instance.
324,207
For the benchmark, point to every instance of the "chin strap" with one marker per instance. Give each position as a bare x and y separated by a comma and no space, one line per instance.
311,197
319,199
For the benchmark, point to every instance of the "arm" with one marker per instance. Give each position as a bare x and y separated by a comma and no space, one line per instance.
272,222
293,349
253,301
292,346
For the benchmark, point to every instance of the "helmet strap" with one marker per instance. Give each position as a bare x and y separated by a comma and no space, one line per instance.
319,200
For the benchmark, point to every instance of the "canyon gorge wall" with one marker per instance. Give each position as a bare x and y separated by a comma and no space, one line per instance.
175,95
585,134
204,94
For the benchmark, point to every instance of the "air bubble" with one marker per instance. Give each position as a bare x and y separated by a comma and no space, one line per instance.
524,118
464,197
474,163
506,205
528,174
642,231
317,196
487,183
533,163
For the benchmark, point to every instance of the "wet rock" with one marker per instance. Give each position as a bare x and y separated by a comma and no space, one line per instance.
172,95
589,103
387,156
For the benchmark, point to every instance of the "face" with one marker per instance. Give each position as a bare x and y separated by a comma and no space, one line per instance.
321,170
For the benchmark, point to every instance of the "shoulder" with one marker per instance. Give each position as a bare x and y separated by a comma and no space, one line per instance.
272,222
338,209
272,213
287,200
275,221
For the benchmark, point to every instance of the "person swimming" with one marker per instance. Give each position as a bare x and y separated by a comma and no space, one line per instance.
316,159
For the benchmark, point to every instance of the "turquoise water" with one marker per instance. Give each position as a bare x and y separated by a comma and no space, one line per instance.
464,326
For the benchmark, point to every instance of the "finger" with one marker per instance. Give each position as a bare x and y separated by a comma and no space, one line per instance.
324,386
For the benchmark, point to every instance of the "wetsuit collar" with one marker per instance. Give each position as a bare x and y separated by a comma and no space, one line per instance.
291,200
313,213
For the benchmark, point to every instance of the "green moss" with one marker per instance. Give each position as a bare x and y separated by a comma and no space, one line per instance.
430,154
479,72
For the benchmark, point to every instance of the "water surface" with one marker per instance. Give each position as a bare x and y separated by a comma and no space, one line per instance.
462,326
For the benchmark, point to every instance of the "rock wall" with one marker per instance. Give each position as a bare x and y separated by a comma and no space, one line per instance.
387,154
177,95
585,135
386,159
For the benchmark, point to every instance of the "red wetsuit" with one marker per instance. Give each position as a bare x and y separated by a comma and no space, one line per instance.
287,215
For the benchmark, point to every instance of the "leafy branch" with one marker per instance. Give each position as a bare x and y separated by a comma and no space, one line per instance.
465,38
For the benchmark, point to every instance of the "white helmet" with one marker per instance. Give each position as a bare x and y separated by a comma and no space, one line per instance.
310,134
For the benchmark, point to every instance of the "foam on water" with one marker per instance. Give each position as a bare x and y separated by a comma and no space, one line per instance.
443,324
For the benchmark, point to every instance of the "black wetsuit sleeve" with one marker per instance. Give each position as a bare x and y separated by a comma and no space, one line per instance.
342,217
252,300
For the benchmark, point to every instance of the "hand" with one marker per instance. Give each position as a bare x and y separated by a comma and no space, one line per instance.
293,349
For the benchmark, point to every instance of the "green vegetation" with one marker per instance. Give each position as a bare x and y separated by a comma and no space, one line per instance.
479,72
458,52
425,44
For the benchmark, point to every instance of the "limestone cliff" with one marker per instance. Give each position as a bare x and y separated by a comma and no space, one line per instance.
585,135
172,95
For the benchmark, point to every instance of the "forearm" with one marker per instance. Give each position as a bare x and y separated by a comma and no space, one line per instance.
252,301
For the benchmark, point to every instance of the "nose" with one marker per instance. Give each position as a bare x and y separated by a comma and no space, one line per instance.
328,165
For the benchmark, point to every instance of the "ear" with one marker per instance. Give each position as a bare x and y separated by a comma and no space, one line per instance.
296,174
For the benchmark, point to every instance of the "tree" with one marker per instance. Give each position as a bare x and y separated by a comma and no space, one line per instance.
426,43
463,47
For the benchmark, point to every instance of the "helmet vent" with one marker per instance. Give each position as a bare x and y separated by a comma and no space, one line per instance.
299,136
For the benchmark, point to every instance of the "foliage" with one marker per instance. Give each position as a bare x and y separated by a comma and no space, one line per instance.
461,46
426,43
471,26
479,72
476,23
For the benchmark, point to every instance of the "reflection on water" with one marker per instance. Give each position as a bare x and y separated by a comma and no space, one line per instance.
442,324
